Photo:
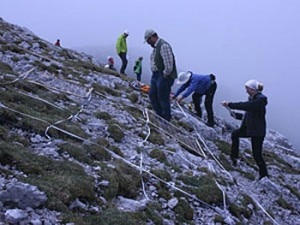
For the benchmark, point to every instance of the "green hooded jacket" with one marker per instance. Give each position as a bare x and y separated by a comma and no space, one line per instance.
121,45
138,67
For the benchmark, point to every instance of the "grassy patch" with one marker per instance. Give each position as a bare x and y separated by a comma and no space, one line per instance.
5,68
203,187
159,155
162,174
102,115
51,69
109,216
135,112
12,48
118,178
115,132
224,147
184,212
186,126
133,97
274,159
106,90
284,204
62,181
238,211
294,190
155,137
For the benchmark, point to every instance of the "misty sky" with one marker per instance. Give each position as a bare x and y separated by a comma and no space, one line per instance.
237,40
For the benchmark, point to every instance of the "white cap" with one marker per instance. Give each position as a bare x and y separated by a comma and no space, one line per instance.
183,77
148,33
253,84
126,32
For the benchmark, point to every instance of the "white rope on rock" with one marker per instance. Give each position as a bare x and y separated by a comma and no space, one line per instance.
22,76
226,172
41,120
206,147
88,95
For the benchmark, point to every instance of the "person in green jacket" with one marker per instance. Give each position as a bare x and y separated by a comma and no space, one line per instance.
121,47
138,68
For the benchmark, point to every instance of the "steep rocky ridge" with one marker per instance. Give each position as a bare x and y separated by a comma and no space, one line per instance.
75,148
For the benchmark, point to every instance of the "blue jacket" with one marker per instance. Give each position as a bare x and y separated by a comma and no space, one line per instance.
197,83
253,121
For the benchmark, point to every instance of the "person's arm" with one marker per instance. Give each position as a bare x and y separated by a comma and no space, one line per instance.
168,58
118,45
253,105
236,115
180,89
191,87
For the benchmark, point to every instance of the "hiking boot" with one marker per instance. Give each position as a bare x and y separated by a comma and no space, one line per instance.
263,176
197,115
209,124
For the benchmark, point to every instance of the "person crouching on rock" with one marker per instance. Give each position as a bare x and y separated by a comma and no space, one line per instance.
200,85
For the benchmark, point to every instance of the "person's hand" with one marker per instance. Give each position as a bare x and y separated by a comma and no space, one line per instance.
225,103
171,96
166,75
179,99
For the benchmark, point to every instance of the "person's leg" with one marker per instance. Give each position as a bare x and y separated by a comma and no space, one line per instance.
257,144
197,98
209,97
138,76
124,62
235,143
164,91
153,94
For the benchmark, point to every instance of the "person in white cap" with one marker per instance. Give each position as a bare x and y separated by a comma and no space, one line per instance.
199,85
253,124
164,73
121,47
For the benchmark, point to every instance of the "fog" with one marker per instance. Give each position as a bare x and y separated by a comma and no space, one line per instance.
236,40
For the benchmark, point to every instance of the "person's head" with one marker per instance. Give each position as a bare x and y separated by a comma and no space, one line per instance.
183,77
110,60
126,33
150,37
253,86
140,58
212,76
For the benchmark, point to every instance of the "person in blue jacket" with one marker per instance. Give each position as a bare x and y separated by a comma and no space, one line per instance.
199,85
253,124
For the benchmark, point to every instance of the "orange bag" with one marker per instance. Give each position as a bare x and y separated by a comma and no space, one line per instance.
145,88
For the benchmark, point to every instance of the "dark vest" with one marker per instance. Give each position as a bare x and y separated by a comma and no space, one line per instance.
159,61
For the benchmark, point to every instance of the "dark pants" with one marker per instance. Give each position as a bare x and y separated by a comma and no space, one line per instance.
159,95
209,97
124,62
138,76
257,144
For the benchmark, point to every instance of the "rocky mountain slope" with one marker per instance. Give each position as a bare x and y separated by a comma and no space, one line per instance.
80,146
